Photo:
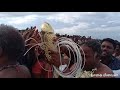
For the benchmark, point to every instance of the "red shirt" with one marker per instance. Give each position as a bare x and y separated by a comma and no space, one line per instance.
39,68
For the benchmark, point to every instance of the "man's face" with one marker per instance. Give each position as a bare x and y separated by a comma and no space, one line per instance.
117,50
89,57
107,48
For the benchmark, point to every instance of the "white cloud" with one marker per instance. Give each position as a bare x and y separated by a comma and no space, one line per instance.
111,21
91,13
85,23
22,20
69,17
74,29
107,29
18,20
3,15
103,26
63,18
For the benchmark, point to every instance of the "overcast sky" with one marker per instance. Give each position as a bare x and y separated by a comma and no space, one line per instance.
96,24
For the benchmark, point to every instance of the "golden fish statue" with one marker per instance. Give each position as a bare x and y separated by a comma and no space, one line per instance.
48,36
46,27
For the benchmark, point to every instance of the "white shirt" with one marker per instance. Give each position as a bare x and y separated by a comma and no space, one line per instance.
116,73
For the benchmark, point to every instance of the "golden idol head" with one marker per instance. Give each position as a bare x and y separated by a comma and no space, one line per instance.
46,27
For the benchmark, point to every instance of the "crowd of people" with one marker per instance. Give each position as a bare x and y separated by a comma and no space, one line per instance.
21,56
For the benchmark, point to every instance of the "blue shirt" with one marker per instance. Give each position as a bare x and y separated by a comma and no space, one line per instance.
114,64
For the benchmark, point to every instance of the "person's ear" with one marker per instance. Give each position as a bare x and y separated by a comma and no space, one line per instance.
96,55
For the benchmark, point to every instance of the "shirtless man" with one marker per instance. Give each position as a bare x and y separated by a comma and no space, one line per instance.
11,51
92,50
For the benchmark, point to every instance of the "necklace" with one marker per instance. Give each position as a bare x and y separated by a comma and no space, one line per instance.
8,66
86,74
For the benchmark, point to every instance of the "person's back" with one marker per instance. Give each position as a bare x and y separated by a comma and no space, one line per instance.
12,48
19,71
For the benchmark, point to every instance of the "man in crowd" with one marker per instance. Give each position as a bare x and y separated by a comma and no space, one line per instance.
117,51
108,46
11,52
92,53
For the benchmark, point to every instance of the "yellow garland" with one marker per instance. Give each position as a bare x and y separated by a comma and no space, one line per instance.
47,37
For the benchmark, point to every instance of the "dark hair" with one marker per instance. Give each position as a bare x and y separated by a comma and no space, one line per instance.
95,45
30,58
11,42
118,43
110,40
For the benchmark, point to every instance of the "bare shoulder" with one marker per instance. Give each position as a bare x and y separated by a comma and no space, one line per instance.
25,70
19,72
104,72
106,69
